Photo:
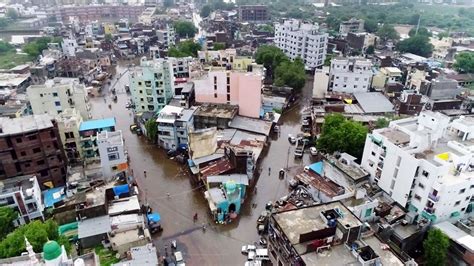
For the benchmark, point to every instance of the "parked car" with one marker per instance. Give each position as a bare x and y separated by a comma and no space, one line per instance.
291,139
247,248
313,151
179,258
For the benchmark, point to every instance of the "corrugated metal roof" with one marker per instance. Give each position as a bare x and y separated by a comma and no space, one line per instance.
94,226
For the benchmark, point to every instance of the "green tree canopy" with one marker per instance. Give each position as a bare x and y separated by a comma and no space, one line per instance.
7,216
381,122
419,45
435,248
37,233
388,32
12,13
5,47
342,135
185,29
151,129
291,74
108,37
219,46
266,28
421,31
370,49
184,49
206,11
371,25
37,46
270,57
464,62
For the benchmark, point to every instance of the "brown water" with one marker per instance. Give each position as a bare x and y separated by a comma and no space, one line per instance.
219,244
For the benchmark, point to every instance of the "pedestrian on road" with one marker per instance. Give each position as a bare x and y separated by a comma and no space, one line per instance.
144,174
195,217
269,170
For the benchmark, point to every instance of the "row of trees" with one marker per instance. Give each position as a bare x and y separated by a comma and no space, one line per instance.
280,68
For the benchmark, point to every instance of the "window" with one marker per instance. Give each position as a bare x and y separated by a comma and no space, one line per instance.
19,140
457,203
27,165
113,156
468,197
41,95
395,173
399,160
139,84
36,150
368,212
463,209
22,153
421,185
417,197
215,95
215,79
425,174
392,185
40,162
57,103
112,149
55,94
462,191
228,97
32,137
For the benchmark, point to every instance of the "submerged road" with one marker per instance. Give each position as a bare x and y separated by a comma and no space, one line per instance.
219,244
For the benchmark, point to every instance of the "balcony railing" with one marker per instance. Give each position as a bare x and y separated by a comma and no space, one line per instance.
430,210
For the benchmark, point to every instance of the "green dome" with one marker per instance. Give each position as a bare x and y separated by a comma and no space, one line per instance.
51,250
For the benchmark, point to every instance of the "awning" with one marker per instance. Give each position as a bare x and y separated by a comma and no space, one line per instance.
154,217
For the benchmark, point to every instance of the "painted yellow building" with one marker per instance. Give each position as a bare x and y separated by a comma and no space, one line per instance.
109,28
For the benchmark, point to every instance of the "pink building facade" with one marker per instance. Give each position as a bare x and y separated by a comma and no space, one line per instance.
232,87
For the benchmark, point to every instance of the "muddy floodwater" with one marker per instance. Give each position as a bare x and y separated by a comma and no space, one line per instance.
219,244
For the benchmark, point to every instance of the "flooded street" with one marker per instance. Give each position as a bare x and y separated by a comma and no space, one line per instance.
218,245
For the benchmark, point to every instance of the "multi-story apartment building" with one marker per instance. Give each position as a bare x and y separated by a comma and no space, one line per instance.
350,75
31,145
352,25
23,194
152,84
173,126
236,87
304,40
56,95
88,135
386,76
86,13
69,122
253,13
166,36
113,158
425,163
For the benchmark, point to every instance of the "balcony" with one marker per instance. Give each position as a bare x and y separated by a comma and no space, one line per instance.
433,197
430,210
428,216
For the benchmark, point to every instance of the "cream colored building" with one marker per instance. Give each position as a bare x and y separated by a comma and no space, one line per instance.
386,75
69,122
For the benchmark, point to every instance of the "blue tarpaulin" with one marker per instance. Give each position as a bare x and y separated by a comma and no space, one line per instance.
154,217
119,190
52,196
317,168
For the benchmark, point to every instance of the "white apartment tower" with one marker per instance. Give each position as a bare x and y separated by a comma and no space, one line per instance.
350,75
57,95
425,163
113,158
299,39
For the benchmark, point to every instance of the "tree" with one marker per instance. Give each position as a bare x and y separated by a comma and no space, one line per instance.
5,47
421,31
435,248
37,46
151,129
185,29
291,74
270,57
7,216
12,13
206,11
342,135
108,37
419,45
184,49
37,233
464,62
370,49
388,32
381,122
371,25
266,28
219,46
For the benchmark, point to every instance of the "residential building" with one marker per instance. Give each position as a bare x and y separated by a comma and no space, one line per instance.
31,145
321,235
441,89
214,115
166,36
461,248
88,134
70,46
241,88
69,122
350,75
22,194
84,13
147,16
351,26
184,124
56,95
253,13
10,83
321,82
167,137
424,163
304,40
386,76
113,158
360,41
152,84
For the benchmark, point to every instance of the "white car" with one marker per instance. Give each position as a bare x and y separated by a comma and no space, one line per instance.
247,248
313,151
291,139
251,255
